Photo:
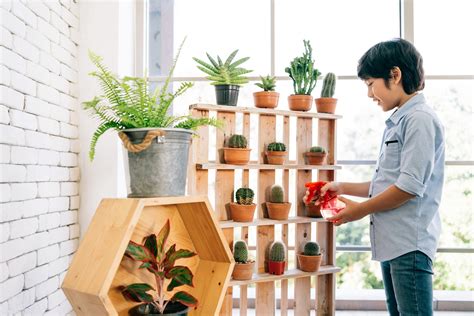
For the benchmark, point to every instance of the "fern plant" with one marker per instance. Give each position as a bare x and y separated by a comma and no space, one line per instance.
127,103
224,73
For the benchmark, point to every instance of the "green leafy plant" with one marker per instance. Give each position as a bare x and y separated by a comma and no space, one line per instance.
277,252
161,263
277,194
241,252
329,85
276,147
268,83
317,149
224,73
244,196
311,248
237,141
303,72
127,103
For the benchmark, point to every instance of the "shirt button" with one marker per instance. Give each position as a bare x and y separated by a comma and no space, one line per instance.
371,223
377,170
370,195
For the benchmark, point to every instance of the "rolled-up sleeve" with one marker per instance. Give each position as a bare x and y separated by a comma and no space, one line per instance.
417,153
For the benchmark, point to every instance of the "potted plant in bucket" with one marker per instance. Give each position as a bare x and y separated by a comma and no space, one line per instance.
326,103
154,257
244,208
277,207
226,76
267,98
310,259
315,156
276,153
236,152
276,262
304,75
243,268
157,143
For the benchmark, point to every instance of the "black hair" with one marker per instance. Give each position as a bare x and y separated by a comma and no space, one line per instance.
380,59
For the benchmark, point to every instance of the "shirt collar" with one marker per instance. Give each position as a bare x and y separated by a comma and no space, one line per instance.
405,109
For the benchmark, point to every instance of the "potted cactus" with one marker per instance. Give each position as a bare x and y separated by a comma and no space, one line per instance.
226,76
310,259
316,155
267,98
326,103
243,268
276,260
276,153
304,76
277,207
243,208
236,152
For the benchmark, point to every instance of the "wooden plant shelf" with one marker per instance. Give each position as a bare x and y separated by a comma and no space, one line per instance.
267,221
223,166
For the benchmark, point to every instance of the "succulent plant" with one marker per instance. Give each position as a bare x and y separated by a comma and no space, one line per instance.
311,248
277,194
329,85
276,147
244,196
224,73
268,83
277,252
317,149
241,253
302,72
237,141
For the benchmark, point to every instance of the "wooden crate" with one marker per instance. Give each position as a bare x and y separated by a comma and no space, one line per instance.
225,176
98,267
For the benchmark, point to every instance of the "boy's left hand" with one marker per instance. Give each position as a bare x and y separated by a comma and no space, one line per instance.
352,212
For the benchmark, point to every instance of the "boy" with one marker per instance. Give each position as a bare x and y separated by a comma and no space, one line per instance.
405,191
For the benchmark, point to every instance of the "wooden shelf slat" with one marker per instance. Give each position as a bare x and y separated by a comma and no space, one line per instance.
267,222
289,274
223,166
240,109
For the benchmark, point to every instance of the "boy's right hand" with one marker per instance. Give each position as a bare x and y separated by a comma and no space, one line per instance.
331,188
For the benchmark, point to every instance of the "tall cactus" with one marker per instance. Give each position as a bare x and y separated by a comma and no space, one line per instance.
303,72
244,196
277,252
311,248
237,141
329,85
241,253
276,147
277,194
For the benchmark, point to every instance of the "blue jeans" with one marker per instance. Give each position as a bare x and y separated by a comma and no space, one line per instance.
408,282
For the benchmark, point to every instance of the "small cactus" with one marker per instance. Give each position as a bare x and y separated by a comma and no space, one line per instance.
268,83
277,194
329,85
241,253
276,147
317,149
311,248
244,196
237,141
277,252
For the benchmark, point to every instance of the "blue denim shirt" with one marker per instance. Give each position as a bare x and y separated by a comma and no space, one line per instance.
411,158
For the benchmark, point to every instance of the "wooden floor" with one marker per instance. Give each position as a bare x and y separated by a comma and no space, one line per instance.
251,312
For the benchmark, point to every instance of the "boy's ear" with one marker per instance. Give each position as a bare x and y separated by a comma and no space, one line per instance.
396,74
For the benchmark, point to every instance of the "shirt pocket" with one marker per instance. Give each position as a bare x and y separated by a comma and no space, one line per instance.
390,158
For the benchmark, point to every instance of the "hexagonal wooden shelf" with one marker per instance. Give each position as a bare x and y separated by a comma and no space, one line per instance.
98,267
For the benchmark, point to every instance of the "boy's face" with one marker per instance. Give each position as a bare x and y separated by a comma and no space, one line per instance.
386,98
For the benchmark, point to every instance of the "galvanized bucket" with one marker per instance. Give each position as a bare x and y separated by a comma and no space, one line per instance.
161,169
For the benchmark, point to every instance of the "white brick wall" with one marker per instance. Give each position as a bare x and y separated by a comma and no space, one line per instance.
39,172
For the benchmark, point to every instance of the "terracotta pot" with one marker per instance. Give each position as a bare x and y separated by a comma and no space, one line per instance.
266,99
242,213
309,263
276,157
276,267
326,105
243,271
315,158
313,210
300,102
236,156
278,211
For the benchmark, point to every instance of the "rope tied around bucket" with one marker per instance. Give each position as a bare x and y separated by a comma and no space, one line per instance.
136,148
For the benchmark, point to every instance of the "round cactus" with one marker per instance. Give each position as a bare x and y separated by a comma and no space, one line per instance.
311,248
317,149
277,252
241,253
329,85
277,194
276,147
244,196
237,141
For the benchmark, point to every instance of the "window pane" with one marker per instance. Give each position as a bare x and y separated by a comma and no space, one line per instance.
442,36
340,31
358,271
453,271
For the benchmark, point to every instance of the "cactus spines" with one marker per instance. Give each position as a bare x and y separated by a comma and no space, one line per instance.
277,252
317,149
241,253
276,147
267,84
244,196
237,141
277,194
303,72
329,85
311,248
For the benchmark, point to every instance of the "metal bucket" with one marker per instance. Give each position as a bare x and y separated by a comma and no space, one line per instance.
161,169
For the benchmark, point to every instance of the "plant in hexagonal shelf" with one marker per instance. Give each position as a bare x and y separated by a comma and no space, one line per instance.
161,263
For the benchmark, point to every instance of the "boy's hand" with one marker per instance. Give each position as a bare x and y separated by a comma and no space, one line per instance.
352,212
331,188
